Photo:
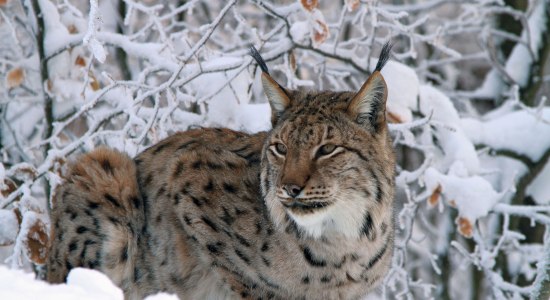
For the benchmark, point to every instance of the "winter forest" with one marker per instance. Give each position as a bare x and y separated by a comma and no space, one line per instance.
468,85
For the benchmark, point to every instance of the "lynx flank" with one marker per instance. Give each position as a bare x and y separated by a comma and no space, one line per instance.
301,212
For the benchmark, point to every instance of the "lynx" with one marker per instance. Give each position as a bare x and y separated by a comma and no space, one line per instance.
304,211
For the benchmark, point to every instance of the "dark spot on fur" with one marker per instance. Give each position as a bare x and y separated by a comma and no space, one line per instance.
124,254
214,248
113,220
312,260
368,225
213,165
227,218
305,280
111,199
106,165
93,264
135,201
185,145
93,205
209,222
243,257
196,201
229,188
89,242
377,257
242,240
326,278
209,187
265,247
81,229
179,168
266,261
161,190
160,147
239,212
137,274
148,179
186,220
72,246
197,165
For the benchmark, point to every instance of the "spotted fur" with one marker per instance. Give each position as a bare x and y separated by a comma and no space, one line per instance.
301,212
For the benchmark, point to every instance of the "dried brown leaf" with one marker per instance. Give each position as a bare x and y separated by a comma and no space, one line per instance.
292,61
94,84
394,118
80,61
37,243
434,197
352,4
15,77
309,5
465,227
72,29
8,188
320,32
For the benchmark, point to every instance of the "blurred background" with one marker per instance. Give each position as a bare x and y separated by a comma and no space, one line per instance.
468,85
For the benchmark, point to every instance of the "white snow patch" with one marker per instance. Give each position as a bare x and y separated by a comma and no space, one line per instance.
455,143
9,227
83,284
403,88
519,131
539,189
518,65
474,196
299,31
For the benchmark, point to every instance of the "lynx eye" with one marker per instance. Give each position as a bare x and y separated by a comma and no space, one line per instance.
326,149
280,148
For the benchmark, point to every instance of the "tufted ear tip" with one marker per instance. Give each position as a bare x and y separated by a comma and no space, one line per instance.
368,106
276,94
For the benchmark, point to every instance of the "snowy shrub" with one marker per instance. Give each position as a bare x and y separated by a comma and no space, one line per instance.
466,106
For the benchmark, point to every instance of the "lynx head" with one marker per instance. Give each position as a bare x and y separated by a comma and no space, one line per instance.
328,164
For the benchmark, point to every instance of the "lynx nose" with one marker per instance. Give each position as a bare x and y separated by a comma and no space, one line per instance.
292,190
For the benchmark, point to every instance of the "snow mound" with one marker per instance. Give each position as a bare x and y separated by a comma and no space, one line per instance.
81,284
520,132
473,196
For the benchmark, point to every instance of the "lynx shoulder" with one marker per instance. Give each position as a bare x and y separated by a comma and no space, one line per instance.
304,211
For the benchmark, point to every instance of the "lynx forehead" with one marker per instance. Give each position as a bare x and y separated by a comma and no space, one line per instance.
301,212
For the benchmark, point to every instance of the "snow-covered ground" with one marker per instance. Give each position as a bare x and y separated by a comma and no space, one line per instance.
82,284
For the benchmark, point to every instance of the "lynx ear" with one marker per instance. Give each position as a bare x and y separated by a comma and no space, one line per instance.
276,94
368,106
278,99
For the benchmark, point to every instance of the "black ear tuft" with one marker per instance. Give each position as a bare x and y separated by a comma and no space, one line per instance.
259,60
384,56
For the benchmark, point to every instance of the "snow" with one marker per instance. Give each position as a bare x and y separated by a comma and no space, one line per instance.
403,88
473,196
539,189
518,131
81,284
456,145
518,65
299,31
89,39
9,227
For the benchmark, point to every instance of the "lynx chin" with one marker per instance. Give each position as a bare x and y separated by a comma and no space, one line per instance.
304,211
